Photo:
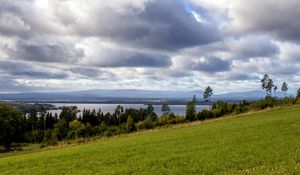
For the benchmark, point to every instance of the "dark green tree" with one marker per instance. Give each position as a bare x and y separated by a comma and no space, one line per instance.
190,112
50,121
298,94
118,112
61,129
264,83
68,113
150,109
33,119
11,126
269,87
275,90
150,112
207,93
284,88
130,125
42,121
165,108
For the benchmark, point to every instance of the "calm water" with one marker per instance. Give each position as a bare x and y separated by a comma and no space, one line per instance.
176,109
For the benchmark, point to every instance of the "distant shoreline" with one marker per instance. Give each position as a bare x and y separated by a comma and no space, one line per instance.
153,102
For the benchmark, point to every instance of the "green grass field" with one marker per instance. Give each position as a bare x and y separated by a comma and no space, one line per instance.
260,143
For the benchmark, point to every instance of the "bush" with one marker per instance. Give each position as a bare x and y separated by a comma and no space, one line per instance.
130,125
140,125
76,129
108,133
148,123
50,138
162,120
205,114
177,120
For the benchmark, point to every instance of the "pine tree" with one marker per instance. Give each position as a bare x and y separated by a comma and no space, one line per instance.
284,88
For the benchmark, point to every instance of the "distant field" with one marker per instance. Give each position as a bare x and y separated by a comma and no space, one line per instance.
261,143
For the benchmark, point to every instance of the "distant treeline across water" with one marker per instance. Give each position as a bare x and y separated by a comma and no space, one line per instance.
105,108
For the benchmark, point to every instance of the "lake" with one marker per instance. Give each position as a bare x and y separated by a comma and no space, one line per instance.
105,108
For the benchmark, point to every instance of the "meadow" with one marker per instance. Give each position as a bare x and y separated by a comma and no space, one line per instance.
265,142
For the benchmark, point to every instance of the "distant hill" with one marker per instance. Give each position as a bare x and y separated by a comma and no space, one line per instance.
129,94
98,95
247,95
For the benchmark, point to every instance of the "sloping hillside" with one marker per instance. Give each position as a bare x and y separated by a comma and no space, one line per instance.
261,143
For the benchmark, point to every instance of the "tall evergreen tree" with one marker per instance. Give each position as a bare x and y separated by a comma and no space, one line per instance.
298,94
33,119
207,93
269,87
264,83
275,90
190,113
118,112
165,108
284,88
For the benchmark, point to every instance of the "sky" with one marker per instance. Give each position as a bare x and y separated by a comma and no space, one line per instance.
181,45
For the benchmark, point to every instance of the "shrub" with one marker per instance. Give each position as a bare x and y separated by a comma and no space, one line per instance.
140,125
148,123
108,133
130,125
162,120
50,137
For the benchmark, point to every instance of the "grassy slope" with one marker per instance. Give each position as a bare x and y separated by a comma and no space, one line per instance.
261,143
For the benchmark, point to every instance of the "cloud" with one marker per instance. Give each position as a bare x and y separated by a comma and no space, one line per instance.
21,69
86,71
160,25
266,16
147,44
211,65
252,47
8,85
207,64
290,53
274,18
109,57
57,52
167,72
266,65
28,18
242,76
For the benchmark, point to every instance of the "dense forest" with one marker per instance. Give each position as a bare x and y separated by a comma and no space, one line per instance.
43,127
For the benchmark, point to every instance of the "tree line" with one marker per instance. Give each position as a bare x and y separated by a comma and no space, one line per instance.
268,85
48,129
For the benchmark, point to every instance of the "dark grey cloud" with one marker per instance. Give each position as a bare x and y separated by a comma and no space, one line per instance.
21,69
211,65
43,52
161,25
277,18
86,71
125,58
167,72
252,47
9,85
242,76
